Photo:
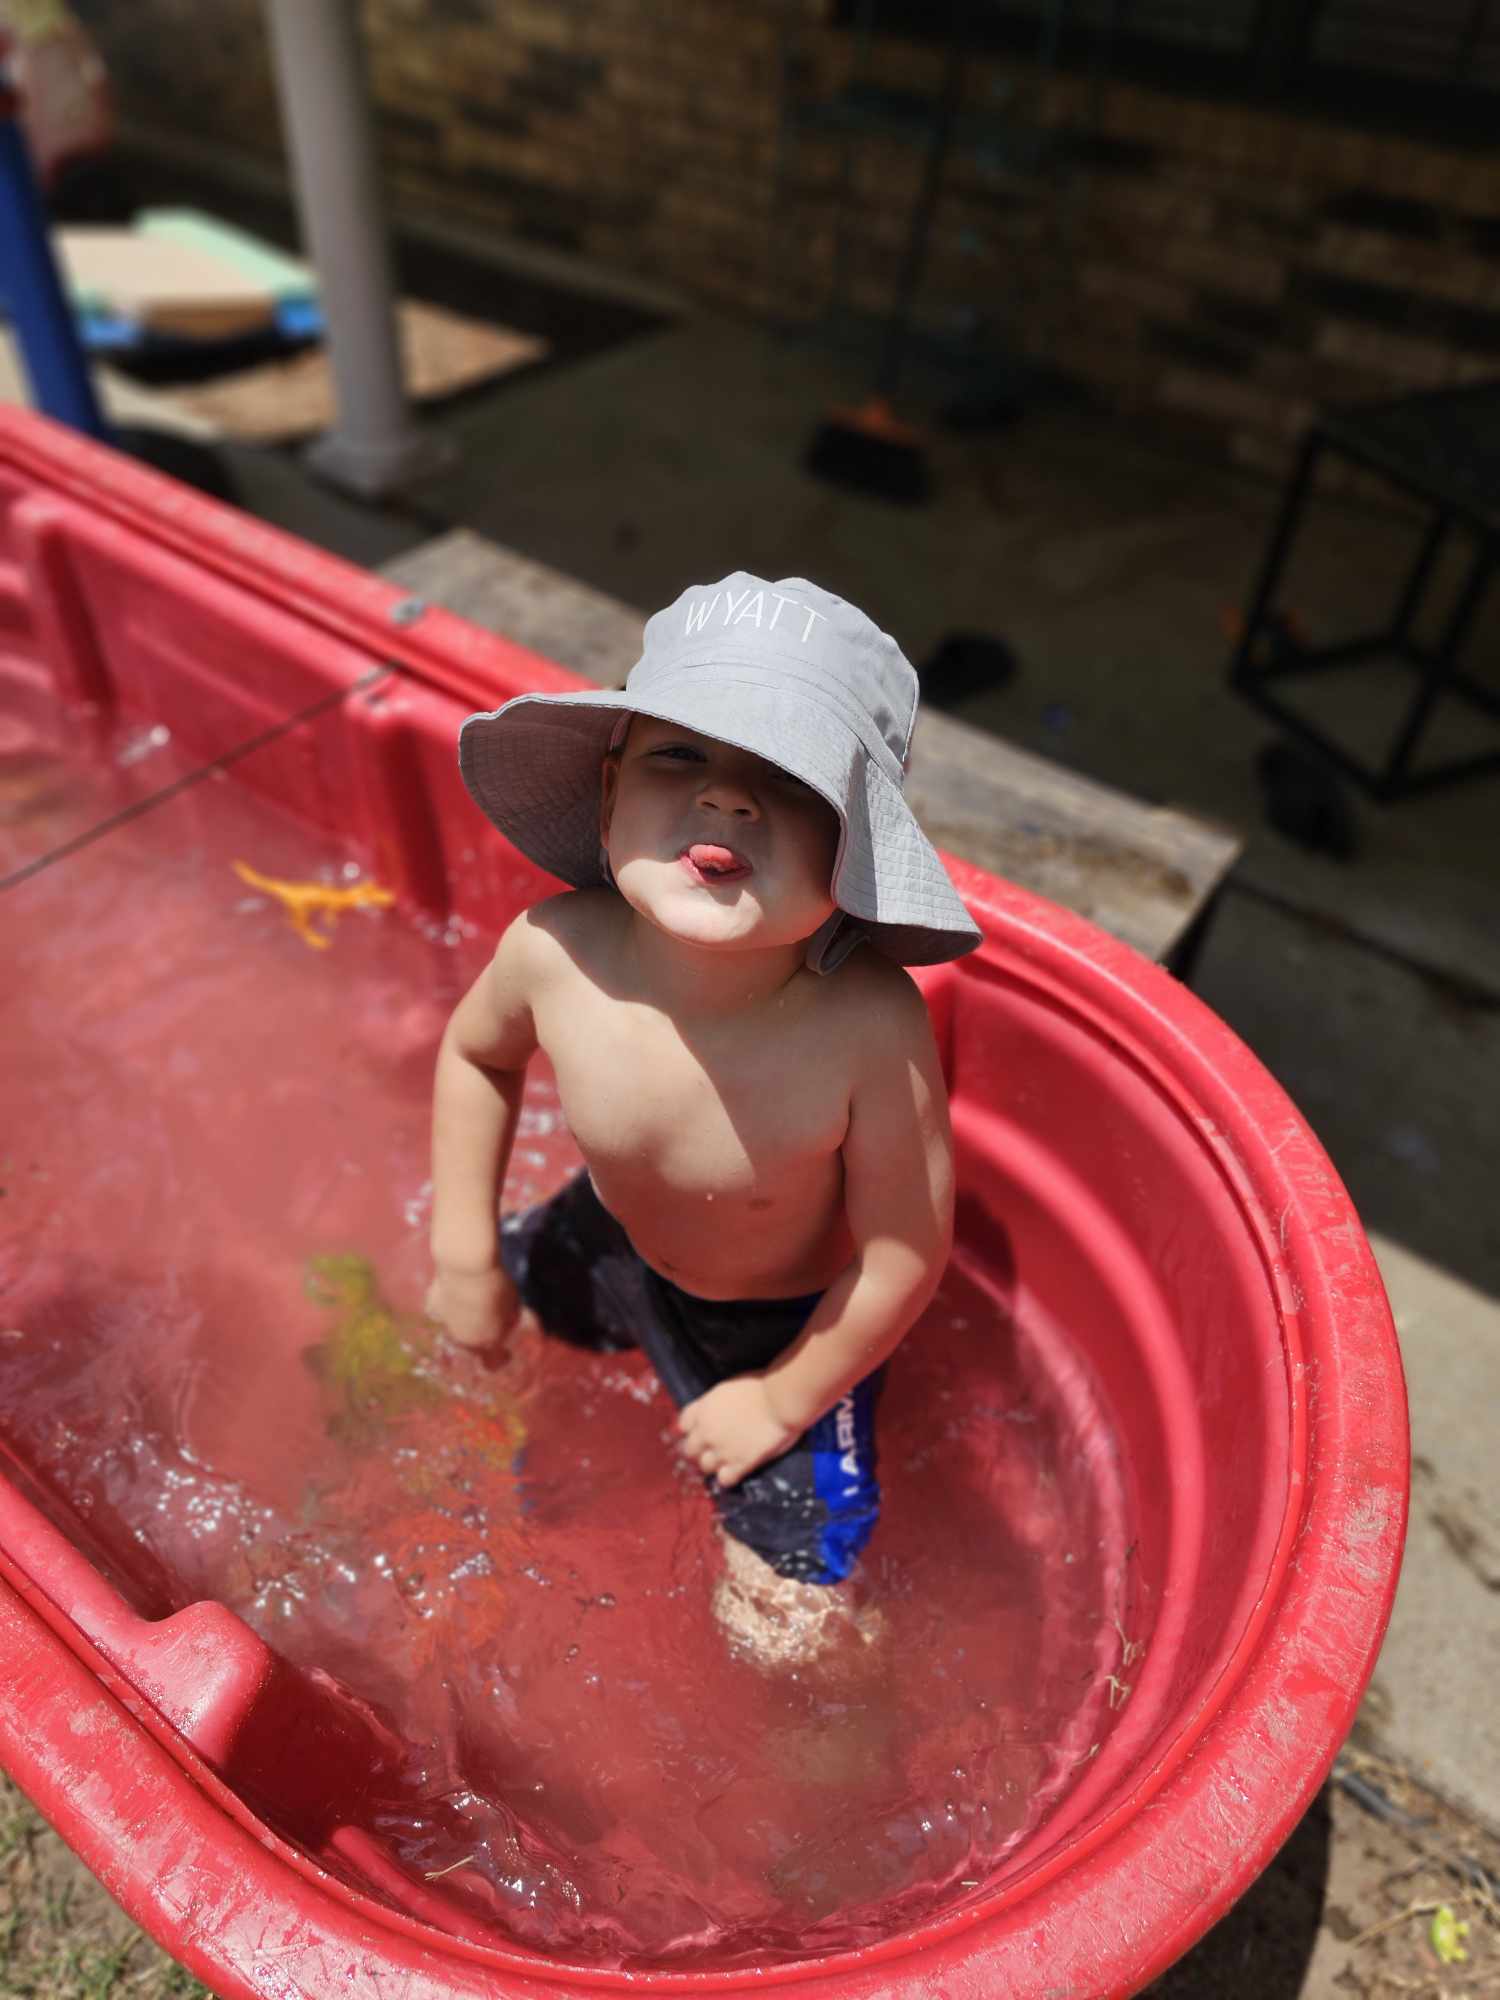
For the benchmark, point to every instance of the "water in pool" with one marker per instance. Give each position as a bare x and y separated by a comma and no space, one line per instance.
214,1249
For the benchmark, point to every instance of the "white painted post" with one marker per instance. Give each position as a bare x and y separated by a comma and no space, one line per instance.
374,447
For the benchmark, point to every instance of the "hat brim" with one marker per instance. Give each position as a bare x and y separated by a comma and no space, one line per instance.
533,768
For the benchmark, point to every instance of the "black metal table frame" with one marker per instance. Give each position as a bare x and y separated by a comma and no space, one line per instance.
1267,652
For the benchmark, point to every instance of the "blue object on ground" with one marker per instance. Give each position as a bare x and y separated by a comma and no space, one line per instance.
296,320
300,319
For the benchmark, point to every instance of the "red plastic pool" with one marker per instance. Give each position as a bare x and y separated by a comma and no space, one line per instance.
1189,1292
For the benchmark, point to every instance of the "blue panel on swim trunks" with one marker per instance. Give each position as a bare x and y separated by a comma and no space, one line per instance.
843,1457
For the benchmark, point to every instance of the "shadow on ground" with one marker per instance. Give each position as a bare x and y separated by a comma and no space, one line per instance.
1262,1949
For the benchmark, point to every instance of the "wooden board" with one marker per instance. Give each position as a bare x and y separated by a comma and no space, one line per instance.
122,401
555,615
1145,873
279,401
168,286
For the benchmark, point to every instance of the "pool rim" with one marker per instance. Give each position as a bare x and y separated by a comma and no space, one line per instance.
1278,1754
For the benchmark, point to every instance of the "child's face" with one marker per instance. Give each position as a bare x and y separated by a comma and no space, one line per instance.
713,845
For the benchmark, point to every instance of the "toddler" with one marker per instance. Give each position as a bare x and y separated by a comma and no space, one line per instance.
751,1078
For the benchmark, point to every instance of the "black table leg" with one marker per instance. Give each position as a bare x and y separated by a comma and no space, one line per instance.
1438,669
1242,668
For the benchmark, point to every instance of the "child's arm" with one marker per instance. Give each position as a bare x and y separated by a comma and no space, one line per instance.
481,1072
898,1198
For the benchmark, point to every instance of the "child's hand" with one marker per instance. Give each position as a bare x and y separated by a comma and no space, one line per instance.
475,1308
733,1429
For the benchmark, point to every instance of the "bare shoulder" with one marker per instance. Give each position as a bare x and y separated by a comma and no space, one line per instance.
899,1140
540,952
878,1006
536,949
571,928
873,1031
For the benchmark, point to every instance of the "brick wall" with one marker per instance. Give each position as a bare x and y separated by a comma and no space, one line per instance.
1222,268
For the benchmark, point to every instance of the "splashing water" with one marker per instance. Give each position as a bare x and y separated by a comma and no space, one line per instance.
220,1369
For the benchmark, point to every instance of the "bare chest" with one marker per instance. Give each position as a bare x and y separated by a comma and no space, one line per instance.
732,1117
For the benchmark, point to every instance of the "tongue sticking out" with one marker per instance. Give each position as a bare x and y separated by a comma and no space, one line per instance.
710,859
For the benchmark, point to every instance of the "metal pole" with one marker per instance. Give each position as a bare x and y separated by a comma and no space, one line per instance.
374,447
43,320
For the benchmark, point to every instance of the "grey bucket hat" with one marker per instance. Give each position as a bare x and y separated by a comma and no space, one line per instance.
784,670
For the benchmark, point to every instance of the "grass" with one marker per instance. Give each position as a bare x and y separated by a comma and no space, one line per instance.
62,1938
61,1935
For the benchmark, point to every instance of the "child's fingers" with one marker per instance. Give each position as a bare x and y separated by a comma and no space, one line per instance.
697,1448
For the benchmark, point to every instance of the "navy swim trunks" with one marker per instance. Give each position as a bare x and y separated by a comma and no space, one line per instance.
809,1512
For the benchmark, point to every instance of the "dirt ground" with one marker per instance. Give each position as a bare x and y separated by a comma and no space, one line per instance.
1351,1909
61,1936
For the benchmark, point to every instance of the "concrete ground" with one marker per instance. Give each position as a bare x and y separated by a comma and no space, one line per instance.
1370,986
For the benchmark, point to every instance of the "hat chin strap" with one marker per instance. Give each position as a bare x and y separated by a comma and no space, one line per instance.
832,942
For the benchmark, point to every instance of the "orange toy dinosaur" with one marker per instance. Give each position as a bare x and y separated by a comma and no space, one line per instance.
306,900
